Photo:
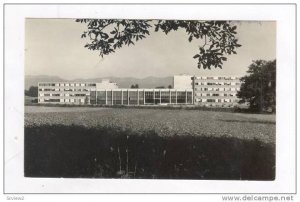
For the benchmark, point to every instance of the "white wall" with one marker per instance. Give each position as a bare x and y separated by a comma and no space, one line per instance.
182,82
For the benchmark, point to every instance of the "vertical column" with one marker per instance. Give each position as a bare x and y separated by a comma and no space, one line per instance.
193,98
127,97
144,97
159,96
176,97
193,92
138,97
112,97
170,94
153,96
122,97
96,96
106,97
185,96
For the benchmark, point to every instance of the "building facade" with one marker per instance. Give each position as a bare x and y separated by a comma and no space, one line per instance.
211,91
107,93
70,92
218,91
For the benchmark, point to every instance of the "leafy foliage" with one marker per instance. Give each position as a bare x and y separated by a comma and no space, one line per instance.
219,36
134,86
259,87
32,92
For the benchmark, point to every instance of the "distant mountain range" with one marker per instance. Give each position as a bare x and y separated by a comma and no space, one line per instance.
126,82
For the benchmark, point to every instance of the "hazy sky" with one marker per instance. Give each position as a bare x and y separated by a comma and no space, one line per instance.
54,47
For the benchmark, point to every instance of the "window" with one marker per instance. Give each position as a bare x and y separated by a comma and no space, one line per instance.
165,97
52,100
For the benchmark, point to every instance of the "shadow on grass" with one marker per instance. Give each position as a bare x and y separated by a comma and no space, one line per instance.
248,121
76,151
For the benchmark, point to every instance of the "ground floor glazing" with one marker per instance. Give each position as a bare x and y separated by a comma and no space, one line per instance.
141,97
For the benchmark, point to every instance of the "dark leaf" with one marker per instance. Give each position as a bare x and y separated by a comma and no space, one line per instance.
196,56
111,40
104,35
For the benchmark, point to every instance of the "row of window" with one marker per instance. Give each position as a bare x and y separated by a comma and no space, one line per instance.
61,95
117,97
217,100
216,94
219,78
217,83
64,100
217,89
67,84
62,90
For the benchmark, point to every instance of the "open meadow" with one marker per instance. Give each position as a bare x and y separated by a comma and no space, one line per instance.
148,143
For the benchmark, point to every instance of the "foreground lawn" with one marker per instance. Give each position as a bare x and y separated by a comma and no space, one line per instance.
163,122
148,143
77,151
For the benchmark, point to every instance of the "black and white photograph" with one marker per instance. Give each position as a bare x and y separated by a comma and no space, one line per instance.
150,99
156,98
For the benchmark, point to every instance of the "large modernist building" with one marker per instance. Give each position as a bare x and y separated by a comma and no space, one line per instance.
107,93
188,90
218,91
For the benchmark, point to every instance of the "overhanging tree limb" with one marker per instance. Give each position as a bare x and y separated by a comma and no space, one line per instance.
108,35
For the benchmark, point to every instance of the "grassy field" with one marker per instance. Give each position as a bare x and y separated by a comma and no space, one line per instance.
148,143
